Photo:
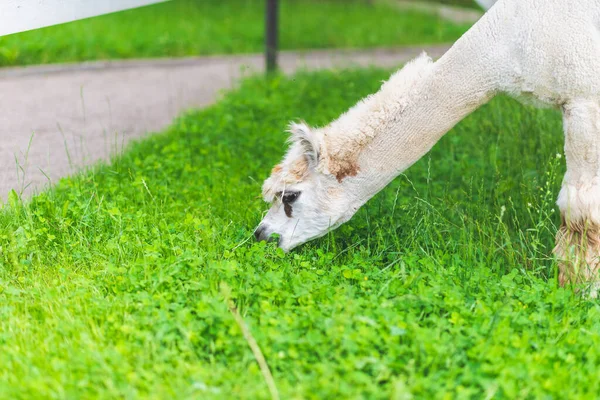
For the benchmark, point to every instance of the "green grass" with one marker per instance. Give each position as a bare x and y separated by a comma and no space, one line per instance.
114,284
201,27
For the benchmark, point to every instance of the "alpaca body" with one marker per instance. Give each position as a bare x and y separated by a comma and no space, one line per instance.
549,51
552,58
545,52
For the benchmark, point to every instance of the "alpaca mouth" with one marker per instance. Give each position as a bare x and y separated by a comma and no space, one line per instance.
262,234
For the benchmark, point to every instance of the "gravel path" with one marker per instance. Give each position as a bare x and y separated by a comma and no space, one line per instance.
458,15
57,119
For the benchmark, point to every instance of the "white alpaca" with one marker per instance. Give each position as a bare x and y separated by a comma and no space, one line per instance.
543,51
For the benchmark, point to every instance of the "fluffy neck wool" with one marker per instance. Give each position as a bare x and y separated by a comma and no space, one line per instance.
387,132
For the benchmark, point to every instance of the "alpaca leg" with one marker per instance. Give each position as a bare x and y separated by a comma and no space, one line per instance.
578,240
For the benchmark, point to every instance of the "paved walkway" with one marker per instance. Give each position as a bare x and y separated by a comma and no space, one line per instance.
459,15
55,120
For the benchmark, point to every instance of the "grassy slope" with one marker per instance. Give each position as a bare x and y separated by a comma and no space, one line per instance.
114,283
191,27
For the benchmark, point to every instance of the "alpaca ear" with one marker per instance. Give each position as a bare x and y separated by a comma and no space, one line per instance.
301,134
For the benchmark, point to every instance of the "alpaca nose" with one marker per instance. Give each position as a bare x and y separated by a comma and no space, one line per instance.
259,233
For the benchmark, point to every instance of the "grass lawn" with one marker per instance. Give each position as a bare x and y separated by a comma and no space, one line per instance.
201,27
115,284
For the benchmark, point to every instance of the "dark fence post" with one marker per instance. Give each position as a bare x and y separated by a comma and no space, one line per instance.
271,20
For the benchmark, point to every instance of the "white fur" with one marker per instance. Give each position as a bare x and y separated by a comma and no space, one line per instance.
305,141
579,198
581,202
342,140
546,52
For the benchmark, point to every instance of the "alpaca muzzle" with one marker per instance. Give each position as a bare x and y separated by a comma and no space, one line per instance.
262,234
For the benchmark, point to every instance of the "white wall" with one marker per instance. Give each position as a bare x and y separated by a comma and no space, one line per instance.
23,15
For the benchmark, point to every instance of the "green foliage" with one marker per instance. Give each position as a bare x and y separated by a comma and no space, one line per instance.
114,284
200,27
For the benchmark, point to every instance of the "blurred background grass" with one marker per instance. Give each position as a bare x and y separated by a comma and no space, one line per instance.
202,27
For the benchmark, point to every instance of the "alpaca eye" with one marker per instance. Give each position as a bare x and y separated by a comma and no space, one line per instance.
290,197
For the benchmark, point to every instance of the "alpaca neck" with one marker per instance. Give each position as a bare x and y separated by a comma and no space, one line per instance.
452,89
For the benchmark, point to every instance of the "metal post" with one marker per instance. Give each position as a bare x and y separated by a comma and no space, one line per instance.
271,20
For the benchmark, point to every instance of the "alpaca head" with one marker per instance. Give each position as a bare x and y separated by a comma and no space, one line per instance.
306,202
328,173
